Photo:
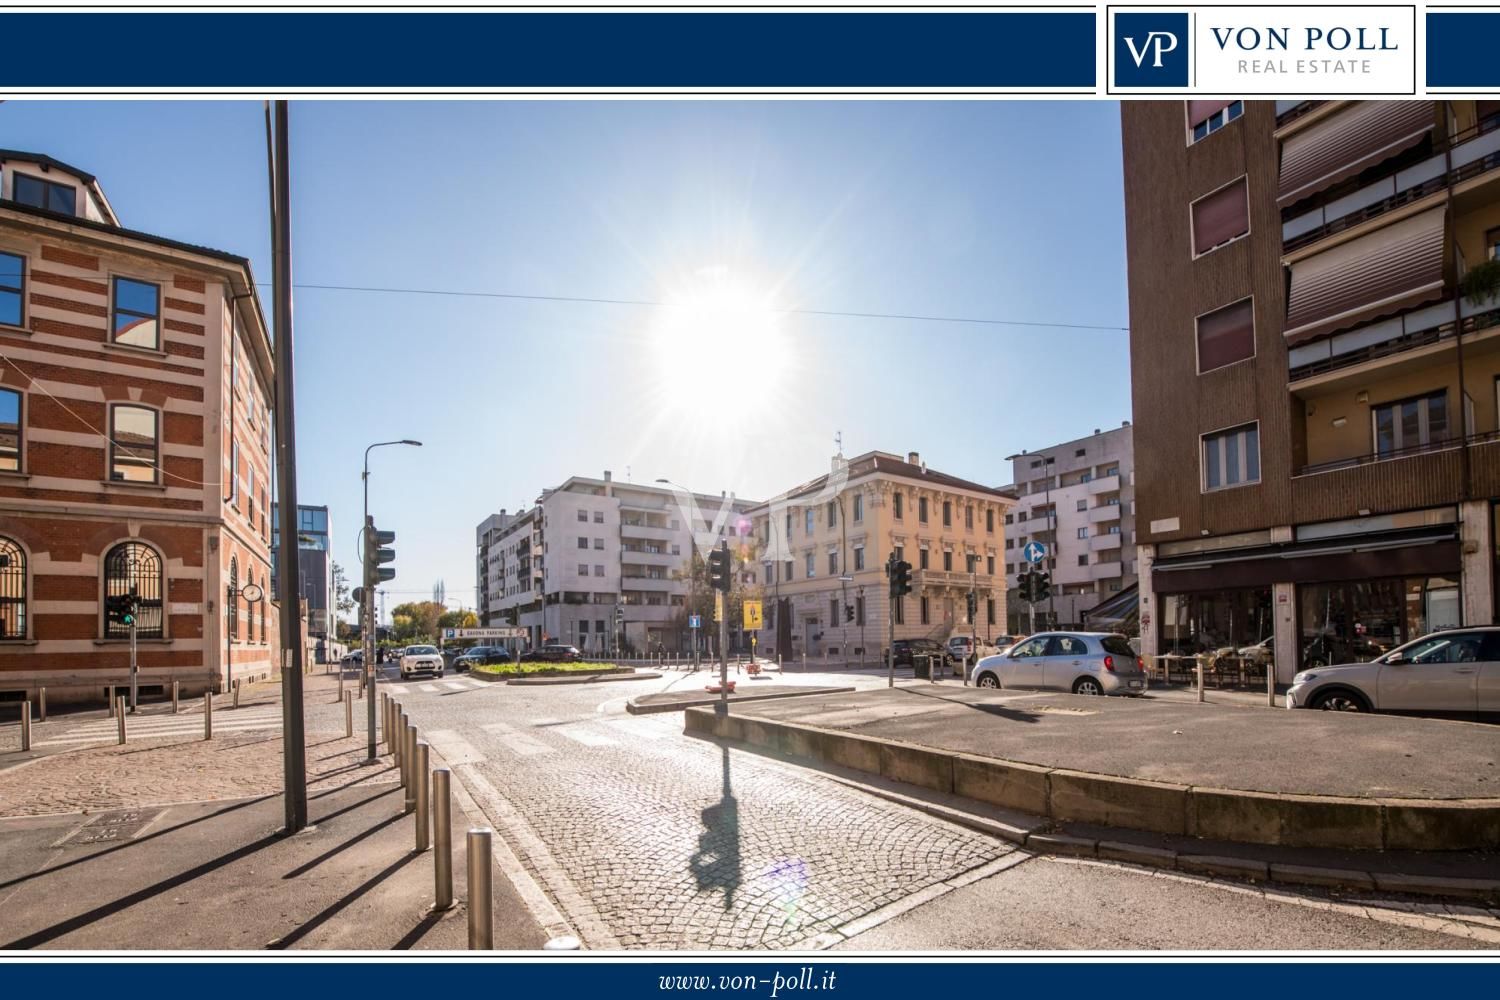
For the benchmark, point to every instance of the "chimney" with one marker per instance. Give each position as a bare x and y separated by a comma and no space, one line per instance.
912,458
1125,423
608,476
1096,430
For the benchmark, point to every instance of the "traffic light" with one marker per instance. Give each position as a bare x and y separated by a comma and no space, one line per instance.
848,612
120,609
377,553
619,617
900,572
358,596
1026,586
973,605
718,568
1043,587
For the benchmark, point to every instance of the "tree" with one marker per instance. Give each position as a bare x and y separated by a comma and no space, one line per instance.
342,602
458,619
439,593
416,621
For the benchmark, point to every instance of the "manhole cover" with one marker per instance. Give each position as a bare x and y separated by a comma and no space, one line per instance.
111,826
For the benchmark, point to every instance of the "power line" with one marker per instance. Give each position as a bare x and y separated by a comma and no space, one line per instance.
595,300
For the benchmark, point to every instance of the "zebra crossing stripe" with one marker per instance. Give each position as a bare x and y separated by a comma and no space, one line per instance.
647,730
427,688
455,686
585,735
397,689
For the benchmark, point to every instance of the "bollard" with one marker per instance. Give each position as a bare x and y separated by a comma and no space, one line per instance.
109,694
348,713
42,695
120,717
409,753
208,715
1271,683
402,721
236,694
385,721
175,693
420,759
442,833
481,927
26,726
1199,661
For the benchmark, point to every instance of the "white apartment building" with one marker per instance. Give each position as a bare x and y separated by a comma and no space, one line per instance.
1078,499
591,547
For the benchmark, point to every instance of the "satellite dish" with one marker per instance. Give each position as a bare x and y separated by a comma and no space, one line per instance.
251,592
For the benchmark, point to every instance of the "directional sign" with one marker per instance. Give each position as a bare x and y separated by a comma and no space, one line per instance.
1034,552
695,621
484,633
752,614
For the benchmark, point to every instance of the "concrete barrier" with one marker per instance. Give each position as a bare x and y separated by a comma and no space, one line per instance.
1134,803
1004,783
917,766
1423,825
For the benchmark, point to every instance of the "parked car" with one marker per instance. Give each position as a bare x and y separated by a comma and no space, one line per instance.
1091,663
421,660
906,651
482,655
1454,672
961,649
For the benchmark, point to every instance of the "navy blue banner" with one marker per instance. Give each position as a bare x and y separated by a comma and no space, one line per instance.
774,50
803,977
1462,49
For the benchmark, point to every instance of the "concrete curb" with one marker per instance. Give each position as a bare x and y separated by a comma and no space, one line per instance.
679,706
1159,807
577,678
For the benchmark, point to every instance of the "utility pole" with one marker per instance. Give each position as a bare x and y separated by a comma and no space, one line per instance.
294,748
973,615
135,672
890,646
724,589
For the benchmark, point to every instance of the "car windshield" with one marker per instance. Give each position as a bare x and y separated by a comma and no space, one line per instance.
420,650
1117,644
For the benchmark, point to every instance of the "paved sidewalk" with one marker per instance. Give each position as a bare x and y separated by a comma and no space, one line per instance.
173,842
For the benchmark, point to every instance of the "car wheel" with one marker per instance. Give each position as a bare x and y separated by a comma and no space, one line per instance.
439,673
1340,700
1088,686
987,681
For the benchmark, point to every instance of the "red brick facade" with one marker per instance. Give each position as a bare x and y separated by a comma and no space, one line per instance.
195,503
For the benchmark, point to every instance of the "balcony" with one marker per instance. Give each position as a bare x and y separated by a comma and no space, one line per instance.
942,578
1112,570
1104,484
1410,331
652,583
1469,154
648,532
662,558
1105,513
1105,542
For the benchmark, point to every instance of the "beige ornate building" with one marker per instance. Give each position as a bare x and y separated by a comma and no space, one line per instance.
826,543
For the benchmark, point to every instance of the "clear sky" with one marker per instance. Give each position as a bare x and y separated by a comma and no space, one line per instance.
732,212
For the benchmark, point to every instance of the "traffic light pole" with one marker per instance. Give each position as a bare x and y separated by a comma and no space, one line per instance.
367,613
724,633
134,667
890,646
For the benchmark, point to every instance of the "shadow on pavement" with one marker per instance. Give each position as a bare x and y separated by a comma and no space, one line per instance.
716,864
1002,711
318,919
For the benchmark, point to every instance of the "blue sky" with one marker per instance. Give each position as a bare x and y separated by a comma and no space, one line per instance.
1005,210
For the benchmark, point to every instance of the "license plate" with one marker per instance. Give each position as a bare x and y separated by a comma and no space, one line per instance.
1135,684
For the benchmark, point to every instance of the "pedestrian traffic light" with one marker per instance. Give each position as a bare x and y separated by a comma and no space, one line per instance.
1043,587
718,568
120,609
848,612
376,553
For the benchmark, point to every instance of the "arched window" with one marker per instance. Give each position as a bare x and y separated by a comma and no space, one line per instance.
12,590
232,598
135,567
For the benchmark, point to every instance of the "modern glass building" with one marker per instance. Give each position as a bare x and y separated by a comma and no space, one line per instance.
314,564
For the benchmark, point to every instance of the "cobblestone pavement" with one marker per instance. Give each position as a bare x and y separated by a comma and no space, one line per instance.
167,760
675,843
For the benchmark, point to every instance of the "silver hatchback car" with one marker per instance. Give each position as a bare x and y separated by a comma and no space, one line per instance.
1080,662
1455,672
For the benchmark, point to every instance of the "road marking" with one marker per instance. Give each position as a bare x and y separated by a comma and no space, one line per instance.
397,689
518,743
142,724
154,734
427,688
580,733
478,684
453,748
642,728
455,686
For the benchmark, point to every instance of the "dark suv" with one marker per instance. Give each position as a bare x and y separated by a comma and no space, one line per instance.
482,655
907,650
553,653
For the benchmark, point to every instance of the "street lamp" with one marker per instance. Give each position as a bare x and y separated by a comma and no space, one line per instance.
368,616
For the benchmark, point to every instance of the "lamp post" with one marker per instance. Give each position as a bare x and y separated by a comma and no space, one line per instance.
367,613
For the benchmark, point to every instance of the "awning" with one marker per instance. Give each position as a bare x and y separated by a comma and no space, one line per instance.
1394,268
1352,139
1118,609
1428,551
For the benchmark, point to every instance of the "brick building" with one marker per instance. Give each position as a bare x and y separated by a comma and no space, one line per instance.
135,433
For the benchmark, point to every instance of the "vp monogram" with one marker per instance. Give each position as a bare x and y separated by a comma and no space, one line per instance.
1158,43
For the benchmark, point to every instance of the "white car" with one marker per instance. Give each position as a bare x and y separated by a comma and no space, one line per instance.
421,660
1091,663
1456,672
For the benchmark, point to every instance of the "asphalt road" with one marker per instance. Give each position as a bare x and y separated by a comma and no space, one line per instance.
641,837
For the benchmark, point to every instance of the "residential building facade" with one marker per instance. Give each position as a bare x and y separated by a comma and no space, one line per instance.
1315,348
135,433
1076,499
824,545
314,567
592,547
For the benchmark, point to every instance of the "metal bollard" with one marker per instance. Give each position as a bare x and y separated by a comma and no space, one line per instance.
481,903
120,717
236,693
42,696
409,752
1199,661
403,721
442,833
348,714
175,693
420,759
208,715
109,694
26,726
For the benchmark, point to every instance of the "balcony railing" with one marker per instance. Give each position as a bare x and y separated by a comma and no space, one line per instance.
1104,513
1442,444
1104,484
1297,111
1416,330
1472,152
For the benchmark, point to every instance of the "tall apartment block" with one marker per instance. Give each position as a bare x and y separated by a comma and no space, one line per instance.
1315,350
562,568
822,548
135,441
1076,499
315,568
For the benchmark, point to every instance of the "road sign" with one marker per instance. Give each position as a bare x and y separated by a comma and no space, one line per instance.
695,621
752,614
484,633
1034,552
719,606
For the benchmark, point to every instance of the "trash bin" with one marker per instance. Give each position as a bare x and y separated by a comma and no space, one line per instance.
921,667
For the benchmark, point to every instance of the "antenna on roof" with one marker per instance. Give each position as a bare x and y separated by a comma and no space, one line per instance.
838,441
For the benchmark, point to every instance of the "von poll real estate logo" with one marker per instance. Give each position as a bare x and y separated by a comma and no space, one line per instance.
1252,51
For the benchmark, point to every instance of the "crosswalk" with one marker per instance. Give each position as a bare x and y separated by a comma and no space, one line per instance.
147,727
461,684
534,739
